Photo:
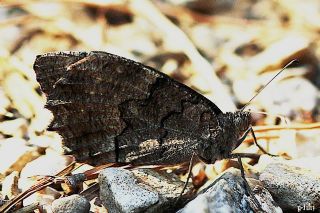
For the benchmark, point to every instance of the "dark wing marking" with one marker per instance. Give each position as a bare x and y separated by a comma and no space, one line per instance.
111,109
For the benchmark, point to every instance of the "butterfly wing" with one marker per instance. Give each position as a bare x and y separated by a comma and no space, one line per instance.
111,109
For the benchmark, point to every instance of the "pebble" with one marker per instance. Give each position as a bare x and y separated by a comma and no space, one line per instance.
119,192
264,197
227,194
292,187
140,190
71,204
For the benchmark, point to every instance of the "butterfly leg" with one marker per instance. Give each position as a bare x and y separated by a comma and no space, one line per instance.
243,137
256,143
188,178
248,188
245,134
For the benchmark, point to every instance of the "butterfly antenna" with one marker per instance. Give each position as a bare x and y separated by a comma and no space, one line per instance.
262,88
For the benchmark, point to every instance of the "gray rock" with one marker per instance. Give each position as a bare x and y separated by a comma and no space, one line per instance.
71,204
228,194
119,192
292,187
263,196
140,190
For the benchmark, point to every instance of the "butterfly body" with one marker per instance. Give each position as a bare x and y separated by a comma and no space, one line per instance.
111,109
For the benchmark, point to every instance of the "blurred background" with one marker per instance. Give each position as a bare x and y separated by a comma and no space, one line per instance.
224,49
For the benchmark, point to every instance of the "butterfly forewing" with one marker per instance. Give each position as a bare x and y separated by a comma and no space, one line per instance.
111,109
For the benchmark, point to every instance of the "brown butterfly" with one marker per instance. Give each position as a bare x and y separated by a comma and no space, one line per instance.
111,109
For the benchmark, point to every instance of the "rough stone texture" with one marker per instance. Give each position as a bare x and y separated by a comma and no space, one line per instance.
119,191
292,187
227,194
141,190
71,204
263,196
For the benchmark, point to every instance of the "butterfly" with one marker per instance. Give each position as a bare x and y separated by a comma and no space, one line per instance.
111,109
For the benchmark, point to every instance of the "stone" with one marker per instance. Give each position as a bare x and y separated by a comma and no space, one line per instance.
264,197
71,204
292,187
140,190
228,194
119,191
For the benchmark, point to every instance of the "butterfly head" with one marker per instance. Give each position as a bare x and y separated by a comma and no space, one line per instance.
225,137
234,126
242,120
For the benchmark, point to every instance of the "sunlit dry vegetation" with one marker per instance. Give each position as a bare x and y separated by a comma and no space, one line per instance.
225,50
